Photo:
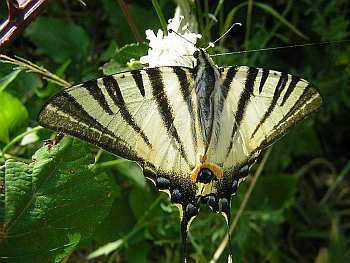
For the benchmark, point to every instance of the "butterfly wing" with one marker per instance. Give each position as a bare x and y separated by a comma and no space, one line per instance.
259,107
141,115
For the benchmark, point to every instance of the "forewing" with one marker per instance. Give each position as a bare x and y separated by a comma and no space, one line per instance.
141,115
259,107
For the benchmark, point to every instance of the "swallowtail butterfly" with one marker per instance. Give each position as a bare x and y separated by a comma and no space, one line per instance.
194,131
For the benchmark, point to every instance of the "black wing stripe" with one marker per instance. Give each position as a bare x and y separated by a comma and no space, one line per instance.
265,75
85,126
279,88
280,128
114,92
231,73
242,103
307,94
68,104
155,77
290,89
136,74
186,94
95,91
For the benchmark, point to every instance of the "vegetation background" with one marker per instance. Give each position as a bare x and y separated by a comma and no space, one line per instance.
66,203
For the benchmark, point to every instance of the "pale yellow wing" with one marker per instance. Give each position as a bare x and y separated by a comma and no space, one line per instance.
141,115
259,107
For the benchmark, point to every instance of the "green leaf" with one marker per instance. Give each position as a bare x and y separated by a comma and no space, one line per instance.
67,40
106,249
132,171
112,67
24,85
135,50
52,203
13,116
117,224
140,201
6,80
109,52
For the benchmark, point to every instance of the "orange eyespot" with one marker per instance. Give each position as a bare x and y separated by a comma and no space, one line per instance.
205,172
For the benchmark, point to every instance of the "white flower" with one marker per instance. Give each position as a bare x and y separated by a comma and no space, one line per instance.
29,138
171,49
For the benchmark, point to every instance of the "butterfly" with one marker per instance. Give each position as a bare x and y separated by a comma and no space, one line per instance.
194,131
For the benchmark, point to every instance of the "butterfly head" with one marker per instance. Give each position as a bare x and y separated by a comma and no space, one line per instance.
203,58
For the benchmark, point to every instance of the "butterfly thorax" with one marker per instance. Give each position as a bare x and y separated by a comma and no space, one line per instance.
208,94
207,81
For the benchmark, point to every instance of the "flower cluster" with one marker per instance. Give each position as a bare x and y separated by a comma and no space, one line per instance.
172,49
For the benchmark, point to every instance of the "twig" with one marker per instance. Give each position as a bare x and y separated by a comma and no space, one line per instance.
131,22
20,14
341,176
31,67
18,138
247,195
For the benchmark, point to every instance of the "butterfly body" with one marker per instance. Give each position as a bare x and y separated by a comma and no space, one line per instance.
194,131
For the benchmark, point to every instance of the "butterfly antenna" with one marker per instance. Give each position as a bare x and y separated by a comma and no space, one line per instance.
211,44
282,47
172,31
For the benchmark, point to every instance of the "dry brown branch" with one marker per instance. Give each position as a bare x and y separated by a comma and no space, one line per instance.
20,14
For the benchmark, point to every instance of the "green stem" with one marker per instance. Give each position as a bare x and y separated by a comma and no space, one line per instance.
211,22
108,164
131,22
339,179
160,16
248,26
98,156
239,213
18,138
200,17
138,226
273,31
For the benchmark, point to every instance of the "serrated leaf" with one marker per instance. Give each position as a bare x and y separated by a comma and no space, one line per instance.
13,116
112,67
135,51
52,203
66,41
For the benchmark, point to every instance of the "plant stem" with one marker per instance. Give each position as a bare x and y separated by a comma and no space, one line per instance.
248,26
131,21
18,138
138,226
247,195
339,179
160,16
30,66
108,164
